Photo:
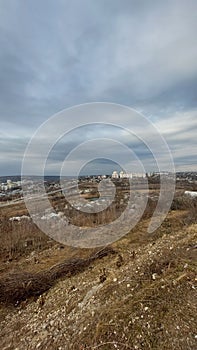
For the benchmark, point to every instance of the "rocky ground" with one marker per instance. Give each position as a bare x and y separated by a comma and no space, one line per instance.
141,297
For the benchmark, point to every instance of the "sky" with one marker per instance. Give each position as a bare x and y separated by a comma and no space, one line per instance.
55,54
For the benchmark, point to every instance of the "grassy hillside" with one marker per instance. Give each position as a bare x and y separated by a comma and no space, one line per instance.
139,294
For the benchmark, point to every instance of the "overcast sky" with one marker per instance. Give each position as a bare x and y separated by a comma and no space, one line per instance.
56,54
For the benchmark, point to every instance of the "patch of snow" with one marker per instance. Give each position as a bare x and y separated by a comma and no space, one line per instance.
192,194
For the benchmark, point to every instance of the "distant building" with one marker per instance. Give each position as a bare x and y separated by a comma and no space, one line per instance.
10,185
115,175
125,175
139,176
4,187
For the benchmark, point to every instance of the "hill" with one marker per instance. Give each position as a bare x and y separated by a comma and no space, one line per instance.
139,294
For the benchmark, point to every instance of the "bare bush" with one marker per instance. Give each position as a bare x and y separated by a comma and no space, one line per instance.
20,238
186,203
16,287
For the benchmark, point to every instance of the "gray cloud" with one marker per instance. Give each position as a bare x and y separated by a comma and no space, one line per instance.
55,54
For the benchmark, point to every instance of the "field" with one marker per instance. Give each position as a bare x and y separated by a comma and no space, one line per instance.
137,293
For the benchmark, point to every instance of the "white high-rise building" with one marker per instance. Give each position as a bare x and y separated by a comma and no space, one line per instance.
125,175
115,175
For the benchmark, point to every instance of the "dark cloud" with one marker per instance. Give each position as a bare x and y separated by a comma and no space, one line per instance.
56,54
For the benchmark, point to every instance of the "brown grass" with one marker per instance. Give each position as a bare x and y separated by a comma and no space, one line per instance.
16,287
20,238
162,281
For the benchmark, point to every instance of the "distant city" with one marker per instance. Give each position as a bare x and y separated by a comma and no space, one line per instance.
11,188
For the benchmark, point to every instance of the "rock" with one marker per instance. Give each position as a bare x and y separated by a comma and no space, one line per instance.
119,261
154,276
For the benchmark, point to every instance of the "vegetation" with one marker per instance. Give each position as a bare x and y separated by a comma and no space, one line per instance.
137,294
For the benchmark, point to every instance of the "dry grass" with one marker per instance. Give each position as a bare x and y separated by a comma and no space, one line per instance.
20,238
16,287
153,307
147,299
